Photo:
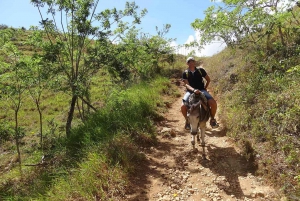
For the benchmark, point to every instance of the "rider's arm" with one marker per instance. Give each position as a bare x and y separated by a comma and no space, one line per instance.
187,85
207,78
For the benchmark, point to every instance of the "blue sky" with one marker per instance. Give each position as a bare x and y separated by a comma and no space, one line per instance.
179,13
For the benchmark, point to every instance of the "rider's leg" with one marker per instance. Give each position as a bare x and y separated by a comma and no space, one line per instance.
187,125
184,109
213,107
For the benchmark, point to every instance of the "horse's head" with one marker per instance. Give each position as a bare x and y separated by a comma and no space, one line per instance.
198,111
193,115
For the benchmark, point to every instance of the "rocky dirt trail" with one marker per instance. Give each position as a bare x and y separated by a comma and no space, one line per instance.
174,171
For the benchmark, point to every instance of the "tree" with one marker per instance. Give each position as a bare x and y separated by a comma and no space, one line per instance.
70,40
239,22
137,55
37,74
12,81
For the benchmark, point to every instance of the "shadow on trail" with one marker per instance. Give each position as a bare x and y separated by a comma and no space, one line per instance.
220,132
230,164
151,169
225,163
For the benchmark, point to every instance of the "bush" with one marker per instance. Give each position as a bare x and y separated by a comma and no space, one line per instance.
6,132
129,112
3,26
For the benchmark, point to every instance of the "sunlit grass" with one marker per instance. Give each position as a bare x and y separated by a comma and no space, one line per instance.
98,156
260,106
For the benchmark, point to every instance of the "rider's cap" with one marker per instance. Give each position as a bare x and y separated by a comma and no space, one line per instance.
190,59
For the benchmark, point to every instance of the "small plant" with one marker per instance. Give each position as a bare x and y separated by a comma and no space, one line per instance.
6,132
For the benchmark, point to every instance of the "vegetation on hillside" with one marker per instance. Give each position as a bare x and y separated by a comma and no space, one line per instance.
257,83
42,69
112,93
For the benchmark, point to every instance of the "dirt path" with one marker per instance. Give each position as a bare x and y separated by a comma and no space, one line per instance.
173,171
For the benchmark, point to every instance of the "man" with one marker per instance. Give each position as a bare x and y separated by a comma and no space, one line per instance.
193,79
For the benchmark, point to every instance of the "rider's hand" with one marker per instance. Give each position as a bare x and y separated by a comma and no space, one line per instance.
196,91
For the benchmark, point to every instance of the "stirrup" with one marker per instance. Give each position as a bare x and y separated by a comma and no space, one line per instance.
213,123
187,126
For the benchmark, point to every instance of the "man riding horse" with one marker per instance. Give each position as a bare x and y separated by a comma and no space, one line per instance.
193,79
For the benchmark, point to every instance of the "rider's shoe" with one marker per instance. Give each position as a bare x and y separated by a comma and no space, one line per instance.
213,123
187,125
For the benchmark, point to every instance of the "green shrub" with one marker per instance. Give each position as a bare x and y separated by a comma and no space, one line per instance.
126,111
6,131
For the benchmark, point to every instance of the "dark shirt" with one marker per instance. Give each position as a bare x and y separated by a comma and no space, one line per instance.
195,79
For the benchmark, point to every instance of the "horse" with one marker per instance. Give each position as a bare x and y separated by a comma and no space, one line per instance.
198,114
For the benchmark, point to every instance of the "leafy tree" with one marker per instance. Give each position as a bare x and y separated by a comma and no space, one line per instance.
37,74
12,82
137,55
159,46
239,22
70,40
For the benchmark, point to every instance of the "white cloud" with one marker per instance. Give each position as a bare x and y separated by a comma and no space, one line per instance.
213,48
208,50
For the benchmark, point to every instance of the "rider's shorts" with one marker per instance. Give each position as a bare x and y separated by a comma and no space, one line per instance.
187,95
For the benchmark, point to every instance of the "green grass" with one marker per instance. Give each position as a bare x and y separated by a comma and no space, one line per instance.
261,108
99,155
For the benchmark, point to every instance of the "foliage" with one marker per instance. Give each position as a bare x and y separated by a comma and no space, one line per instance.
136,55
94,178
99,153
3,26
123,108
13,83
73,58
257,83
239,23
260,103
6,132
67,45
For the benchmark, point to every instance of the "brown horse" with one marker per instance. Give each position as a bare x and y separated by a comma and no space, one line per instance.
198,114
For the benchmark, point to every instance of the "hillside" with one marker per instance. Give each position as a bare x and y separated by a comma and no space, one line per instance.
260,108
123,96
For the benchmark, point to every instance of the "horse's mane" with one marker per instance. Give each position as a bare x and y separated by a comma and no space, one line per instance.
195,98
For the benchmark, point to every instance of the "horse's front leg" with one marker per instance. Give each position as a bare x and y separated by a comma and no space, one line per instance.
193,139
202,133
194,128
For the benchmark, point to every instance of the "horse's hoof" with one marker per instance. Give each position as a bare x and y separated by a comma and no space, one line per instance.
204,157
193,143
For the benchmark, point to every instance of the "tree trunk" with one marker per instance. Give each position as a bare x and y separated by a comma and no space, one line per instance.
17,136
41,125
281,36
79,110
70,115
